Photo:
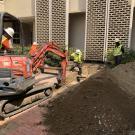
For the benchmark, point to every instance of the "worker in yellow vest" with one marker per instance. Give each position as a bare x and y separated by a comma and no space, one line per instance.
118,51
77,58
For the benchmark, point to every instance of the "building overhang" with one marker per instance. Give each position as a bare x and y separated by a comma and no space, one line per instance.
27,19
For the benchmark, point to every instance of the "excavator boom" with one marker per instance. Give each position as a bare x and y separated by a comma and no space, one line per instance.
39,57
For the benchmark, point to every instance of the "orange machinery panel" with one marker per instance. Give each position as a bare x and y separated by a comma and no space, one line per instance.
21,66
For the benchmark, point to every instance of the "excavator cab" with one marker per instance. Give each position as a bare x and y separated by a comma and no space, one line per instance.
9,21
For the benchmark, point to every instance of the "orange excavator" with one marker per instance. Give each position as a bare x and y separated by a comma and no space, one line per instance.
20,84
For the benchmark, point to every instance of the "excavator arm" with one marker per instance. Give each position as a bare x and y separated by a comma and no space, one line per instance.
39,57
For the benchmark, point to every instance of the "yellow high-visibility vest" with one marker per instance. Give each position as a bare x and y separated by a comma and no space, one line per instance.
117,51
77,57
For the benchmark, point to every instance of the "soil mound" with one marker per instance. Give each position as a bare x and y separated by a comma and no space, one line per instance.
124,76
95,107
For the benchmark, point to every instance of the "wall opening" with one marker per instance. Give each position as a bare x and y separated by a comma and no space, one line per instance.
27,33
133,32
77,31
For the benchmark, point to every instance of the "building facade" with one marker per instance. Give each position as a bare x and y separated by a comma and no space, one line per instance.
90,25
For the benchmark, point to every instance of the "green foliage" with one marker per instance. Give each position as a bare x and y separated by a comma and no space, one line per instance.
53,56
71,50
26,49
110,57
128,56
17,50
52,63
52,59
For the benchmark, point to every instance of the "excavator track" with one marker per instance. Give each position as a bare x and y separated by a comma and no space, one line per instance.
13,105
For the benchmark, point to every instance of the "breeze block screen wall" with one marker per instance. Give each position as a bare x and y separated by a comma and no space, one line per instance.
51,21
96,11
59,21
106,20
119,22
42,21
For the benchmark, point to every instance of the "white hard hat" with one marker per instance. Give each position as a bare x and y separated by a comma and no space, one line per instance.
35,43
117,40
77,51
10,31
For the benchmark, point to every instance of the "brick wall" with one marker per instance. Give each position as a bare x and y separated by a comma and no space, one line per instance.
59,21
96,10
133,33
118,26
42,21
119,22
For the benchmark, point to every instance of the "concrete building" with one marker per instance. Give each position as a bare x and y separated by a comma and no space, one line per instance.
90,25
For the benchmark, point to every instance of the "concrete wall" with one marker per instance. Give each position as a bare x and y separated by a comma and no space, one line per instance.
1,6
77,30
34,32
20,8
133,33
28,33
77,6
131,1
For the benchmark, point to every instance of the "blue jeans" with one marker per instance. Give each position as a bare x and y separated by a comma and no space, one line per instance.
118,59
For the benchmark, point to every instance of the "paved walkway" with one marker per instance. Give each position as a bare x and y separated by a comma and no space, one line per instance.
27,123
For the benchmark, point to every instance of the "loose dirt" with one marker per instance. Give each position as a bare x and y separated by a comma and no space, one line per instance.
124,76
97,106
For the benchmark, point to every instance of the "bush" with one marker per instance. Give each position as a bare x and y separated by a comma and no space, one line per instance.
128,56
17,49
110,57
26,49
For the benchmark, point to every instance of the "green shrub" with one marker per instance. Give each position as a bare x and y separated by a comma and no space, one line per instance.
18,50
26,49
110,57
128,56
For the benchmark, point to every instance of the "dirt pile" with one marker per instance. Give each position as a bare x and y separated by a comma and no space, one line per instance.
95,107
124,76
